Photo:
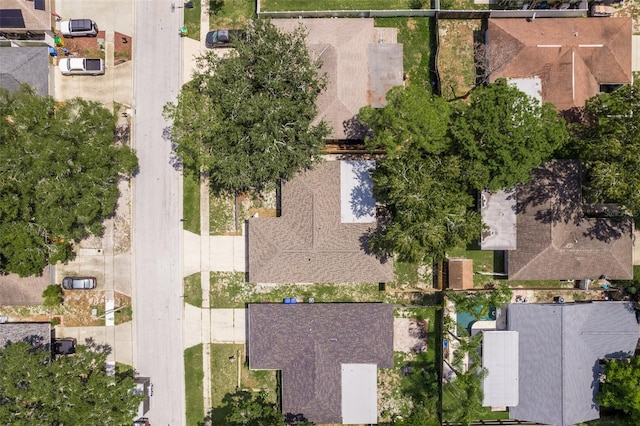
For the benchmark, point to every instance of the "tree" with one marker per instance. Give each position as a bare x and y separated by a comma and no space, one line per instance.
620,390
503,134
59,176
69,390
426,206
421,186
247,119
244,408
53,295
608,144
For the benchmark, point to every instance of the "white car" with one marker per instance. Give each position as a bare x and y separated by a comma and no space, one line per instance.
79,28
81,66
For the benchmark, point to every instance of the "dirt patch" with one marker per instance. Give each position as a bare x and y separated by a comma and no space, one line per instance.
410,335
94,47
456,63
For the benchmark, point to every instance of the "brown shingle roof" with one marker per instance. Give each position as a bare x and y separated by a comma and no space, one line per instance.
555,240
460,273
309,342
572,56
308,243
350,51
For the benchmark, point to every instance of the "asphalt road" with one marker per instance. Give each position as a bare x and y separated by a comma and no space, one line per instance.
157,205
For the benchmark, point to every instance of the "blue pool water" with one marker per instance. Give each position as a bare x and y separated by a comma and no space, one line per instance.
466,320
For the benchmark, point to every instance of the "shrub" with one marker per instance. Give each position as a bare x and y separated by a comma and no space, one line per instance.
52,296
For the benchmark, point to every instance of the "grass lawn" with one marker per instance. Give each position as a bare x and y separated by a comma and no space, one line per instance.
221,216
232,15
193,290
416,35
224,377
456,57
192,19
191,203
229,290
286,5
413,379
193,377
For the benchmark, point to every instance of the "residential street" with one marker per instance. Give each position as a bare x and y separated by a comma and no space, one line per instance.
157,206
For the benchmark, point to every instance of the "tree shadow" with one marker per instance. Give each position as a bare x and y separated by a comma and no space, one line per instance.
356,130
94,346
361,202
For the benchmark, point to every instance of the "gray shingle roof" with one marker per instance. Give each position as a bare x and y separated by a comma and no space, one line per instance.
308,243
28,65
37,334
559,346
555,241
309,342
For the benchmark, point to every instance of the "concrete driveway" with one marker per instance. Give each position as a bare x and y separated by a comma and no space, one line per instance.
116,85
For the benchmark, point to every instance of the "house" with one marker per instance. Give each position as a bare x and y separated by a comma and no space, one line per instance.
328,355
362,63
574,58
460,273
556,237
25,65
37,334
25,20
558,351
320,236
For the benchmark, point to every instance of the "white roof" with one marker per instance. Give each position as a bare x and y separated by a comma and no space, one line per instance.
498,211
357,204
359,393
531,86
500,358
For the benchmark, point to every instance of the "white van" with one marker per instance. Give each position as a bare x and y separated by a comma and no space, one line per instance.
79,28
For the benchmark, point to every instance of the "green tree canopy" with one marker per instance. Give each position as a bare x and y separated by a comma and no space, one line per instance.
608,143
69,390
59,171
620,390
503,134
247,118
421,184
244,408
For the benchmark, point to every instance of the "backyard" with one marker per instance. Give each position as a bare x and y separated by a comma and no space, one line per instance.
456,57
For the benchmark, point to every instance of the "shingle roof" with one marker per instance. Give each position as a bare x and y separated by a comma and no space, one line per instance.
28,65
555,241
572,56
309,342
308,243
559,346
362,63
37,334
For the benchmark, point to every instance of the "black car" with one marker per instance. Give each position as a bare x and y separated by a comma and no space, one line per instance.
222,38
64,346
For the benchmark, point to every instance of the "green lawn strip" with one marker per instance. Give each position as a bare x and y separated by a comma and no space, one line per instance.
193,378
224,377
462,5
290,5
191,203
230,14
406,275
221,215
418,39
193,290
192,19
229,290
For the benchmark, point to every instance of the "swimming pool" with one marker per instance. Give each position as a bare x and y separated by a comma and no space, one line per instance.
466,320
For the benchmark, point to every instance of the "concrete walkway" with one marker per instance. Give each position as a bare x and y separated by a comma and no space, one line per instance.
225,326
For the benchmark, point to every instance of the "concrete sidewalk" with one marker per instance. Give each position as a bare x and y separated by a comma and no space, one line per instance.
226,325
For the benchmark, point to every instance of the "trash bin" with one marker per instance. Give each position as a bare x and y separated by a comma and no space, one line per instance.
58,41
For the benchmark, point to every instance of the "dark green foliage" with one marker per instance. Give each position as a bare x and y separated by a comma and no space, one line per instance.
608,143
503,134
59,170
52,295
478,303
70,390
620,391
247,118
244,408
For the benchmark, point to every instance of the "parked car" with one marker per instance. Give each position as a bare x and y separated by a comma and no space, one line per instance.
222,38
79,283
142,421
81,66
64,346
79,28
